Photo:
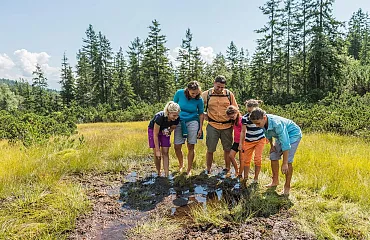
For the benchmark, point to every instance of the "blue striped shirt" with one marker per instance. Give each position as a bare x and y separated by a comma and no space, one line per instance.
253,132
284,130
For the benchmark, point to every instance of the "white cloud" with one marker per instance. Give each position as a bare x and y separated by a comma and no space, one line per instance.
206,54
6,62
24,63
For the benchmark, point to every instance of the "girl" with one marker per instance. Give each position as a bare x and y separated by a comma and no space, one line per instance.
159,131
253,141
233,113
287,135
191,123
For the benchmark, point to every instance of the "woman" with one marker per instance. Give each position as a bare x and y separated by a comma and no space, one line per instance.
191,123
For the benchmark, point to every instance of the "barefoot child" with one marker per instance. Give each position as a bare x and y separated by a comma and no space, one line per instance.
233,113
287,136
253,141
159,131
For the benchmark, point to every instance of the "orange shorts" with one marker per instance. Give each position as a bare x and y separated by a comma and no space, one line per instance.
247,154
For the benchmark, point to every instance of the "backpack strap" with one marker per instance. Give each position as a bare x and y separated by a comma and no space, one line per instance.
209,95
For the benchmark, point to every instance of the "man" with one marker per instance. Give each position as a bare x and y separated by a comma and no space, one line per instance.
216,100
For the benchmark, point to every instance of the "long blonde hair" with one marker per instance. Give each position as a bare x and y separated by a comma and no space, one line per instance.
170,107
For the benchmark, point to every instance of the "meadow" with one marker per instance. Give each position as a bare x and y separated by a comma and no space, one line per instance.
330,193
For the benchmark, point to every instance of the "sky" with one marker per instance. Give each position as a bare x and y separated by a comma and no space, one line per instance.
40,31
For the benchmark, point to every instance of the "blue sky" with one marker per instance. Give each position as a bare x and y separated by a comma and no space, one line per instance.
41,30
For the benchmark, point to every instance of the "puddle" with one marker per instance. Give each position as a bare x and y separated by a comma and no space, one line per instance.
131,177
181,191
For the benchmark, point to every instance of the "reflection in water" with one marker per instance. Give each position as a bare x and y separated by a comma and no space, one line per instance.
131,177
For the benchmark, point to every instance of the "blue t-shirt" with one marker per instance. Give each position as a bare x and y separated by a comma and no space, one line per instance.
162,121
190,108
284,130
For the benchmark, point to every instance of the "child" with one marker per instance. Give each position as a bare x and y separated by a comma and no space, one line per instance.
233,113
253,141
287,135
159,131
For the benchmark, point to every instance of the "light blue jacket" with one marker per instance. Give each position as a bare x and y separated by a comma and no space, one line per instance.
283,130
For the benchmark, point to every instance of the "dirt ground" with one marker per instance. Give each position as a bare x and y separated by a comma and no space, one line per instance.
123,201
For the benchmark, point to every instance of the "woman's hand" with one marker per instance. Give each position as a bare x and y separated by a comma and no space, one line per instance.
240,147
199,133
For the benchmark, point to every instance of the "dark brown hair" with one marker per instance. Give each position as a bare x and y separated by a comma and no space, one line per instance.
257,114
220,79
230,110
253,103
193,85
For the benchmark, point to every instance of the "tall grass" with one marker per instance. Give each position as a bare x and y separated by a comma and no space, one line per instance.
35,202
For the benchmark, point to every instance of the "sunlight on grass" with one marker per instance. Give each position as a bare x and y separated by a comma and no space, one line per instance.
42,212
330,184
335,166
157,227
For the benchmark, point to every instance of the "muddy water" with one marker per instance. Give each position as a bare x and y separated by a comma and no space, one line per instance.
145,193
140,195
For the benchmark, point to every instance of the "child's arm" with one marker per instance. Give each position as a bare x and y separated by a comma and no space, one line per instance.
156,143
242,137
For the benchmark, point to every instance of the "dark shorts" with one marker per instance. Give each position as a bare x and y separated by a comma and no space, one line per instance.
163,140
235,147
213,135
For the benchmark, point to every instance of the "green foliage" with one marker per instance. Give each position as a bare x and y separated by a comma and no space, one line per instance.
344,114
30,128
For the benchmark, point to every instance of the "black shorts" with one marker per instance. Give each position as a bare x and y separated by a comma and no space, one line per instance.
235,147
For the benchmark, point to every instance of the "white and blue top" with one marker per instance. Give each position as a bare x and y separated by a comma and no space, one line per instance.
253,132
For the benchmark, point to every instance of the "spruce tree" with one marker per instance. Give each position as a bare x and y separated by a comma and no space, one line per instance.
135,75
67,82
156,66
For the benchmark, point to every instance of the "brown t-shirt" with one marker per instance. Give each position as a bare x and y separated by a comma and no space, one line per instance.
217,108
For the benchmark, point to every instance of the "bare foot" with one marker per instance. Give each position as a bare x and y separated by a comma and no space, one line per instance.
272,185
286,191
188,173
181,168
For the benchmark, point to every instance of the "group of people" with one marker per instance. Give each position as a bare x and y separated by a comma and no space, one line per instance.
246,134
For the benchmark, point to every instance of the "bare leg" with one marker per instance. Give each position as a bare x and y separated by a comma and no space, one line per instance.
275,173
179,155
257,170
191,154
246,171
166,162
227,159
233,161
209,158
157,162
288,178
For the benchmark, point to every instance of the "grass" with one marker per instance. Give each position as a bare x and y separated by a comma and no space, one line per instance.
330,184
157,227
